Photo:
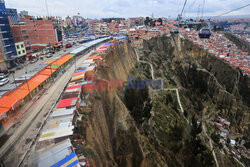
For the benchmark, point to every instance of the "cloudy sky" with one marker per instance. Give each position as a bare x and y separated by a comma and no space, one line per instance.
127,8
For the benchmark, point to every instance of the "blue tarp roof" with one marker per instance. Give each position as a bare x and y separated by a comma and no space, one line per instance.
70,160
109,44
122,37
80,70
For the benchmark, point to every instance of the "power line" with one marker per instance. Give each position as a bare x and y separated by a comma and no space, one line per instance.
233,10
202,8
198,12
183,6
192,4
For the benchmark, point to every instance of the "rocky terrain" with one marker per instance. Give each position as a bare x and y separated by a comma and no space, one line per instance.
146,127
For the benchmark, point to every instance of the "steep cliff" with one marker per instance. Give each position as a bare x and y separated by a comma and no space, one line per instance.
111,131
204,74
146,127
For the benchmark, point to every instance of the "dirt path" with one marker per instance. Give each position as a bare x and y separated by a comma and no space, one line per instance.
152,72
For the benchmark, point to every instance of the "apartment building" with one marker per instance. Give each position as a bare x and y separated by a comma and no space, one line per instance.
36,33
7,47
20,49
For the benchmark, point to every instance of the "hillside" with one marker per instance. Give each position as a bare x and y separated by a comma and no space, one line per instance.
171,126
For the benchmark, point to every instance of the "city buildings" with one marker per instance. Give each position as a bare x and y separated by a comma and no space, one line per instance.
36,33
13,16
23,13
68,21
136,21
7,47
78,20
98,27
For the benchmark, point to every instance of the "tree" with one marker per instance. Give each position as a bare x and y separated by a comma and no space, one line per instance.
147,21
216,138
160,20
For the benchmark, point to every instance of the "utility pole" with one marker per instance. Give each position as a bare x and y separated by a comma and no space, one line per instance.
27,85
75,63
47,8
13,77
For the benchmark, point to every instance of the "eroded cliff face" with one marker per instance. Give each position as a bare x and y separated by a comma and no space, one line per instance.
111,131
203,74
133,127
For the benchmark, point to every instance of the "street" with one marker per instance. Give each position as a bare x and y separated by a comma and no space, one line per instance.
31,66
23,135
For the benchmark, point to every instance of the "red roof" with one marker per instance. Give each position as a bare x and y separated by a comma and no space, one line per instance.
67,102
73,87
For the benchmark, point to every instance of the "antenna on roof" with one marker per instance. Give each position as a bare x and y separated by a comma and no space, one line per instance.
47,8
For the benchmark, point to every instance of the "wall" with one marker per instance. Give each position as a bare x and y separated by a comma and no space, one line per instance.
20,49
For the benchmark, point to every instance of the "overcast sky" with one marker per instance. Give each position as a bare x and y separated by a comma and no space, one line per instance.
127,8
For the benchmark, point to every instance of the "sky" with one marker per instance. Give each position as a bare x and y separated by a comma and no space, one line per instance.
128,8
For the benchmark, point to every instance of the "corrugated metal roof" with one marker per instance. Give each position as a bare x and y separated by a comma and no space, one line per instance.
53,154
57,113
67,102
56,133
60,119
10,86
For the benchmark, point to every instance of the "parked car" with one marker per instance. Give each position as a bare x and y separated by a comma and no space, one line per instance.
69,45
33,60
3,75
52,52
19,67
4,81
49,55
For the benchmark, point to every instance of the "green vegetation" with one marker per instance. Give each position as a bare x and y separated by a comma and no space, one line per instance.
173,132
88,151
138,102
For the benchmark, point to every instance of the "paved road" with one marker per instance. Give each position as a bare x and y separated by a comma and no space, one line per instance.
29,127
29,67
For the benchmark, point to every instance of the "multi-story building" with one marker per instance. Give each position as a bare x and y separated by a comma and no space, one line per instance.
23,13
57,25
7,47
69,21
104,28
136,21
13,16
20,49
78,20
36,33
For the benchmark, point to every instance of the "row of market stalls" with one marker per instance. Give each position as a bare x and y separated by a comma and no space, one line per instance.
60,143
17,94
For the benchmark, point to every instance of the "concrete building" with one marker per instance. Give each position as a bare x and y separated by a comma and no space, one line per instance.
78,20
36,33
7,47
13,16
20,49
23,13
136,21
98,27
68,21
